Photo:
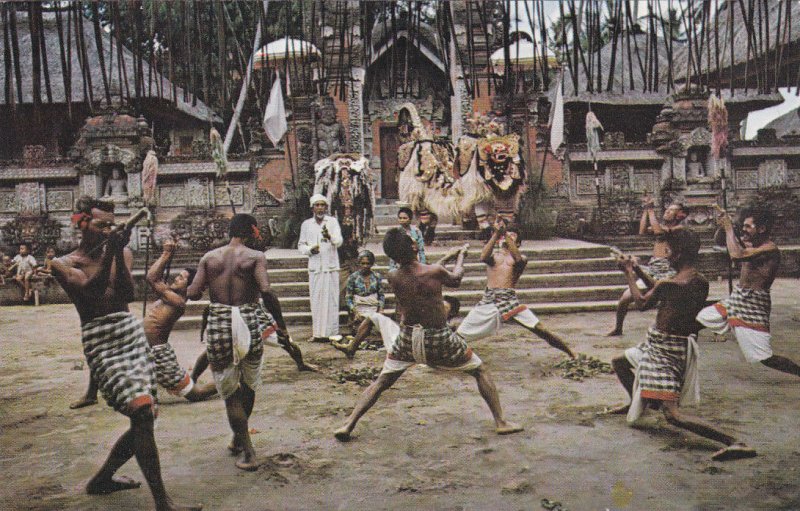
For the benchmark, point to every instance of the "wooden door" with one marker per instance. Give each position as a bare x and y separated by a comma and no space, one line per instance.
390,174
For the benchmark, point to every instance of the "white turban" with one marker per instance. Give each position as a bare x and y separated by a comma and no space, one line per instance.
319,198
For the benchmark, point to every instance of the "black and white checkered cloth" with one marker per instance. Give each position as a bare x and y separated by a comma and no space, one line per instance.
749,308
219,337
169,372
659,268
661,369
505,299
120,361
443,347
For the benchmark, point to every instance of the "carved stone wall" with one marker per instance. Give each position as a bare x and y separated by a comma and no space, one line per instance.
355,102
30,199
772,173
60,200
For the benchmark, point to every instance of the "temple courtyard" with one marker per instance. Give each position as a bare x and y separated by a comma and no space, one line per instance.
428,443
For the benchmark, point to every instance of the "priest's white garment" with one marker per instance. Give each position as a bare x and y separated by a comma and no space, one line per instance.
323,273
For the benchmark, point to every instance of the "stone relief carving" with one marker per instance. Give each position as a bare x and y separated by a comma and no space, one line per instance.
8,202
33,155
111,154
197,193
746,179
221,195
643,182
29,199
584,184
59,200
772,173
619,176
171,196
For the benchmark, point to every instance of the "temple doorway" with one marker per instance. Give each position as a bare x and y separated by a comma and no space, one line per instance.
390,174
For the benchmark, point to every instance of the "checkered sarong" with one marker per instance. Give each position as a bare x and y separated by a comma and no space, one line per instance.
219,337
662,367
659,268
505,299
442,347
748,308
120,361
169,372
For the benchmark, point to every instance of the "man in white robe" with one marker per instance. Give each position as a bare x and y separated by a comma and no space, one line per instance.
320,236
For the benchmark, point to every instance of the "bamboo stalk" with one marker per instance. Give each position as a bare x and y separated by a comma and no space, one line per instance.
43,45
12,24
98,39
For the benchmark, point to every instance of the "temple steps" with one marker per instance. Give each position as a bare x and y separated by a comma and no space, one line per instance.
561,276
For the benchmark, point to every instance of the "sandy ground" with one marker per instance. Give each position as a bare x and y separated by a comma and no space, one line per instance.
428,443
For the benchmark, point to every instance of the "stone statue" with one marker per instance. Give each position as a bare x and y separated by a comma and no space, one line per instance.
694,167
116,186
331,137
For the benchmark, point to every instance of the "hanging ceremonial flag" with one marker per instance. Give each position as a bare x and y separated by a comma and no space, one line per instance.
218,153
149,176
557,128
718,122
592,134
275,115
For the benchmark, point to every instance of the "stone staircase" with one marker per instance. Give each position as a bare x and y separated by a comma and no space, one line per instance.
561,276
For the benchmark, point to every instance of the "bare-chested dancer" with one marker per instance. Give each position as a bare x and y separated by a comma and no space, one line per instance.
158,323
663,369
499,302
238,327
657,267
98,280
387,328
424,336
748,308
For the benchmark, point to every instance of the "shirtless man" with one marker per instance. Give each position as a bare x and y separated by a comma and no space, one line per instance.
424,336
662,371
747,310
499,302
98,280
658,267
158,323
388,328
238,327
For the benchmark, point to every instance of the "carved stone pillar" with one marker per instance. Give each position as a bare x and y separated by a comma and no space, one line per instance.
355,107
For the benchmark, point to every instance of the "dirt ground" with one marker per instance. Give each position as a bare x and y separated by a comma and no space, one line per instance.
427,444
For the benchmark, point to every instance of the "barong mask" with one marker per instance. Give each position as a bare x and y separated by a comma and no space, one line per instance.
499,163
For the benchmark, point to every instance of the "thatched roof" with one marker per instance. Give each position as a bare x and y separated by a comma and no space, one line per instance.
740,38
198,110
786,123
620,89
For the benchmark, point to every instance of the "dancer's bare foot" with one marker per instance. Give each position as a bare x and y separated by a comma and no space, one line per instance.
234,447
248,462
508,428
614,333
168,505
342,434
103,487
82,402
617,410
308,367
735,451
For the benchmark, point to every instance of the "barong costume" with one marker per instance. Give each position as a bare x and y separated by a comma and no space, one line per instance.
496,306
364,297
323,272
120,361
169,373
440,348
235,338
746,311
666,370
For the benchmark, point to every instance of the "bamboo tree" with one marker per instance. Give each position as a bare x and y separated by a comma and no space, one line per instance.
36,72
98,39
43,46
12,24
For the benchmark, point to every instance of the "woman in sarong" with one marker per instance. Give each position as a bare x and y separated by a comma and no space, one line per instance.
364,290
404,216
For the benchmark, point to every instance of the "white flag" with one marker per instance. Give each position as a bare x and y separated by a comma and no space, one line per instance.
557,128
275,114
